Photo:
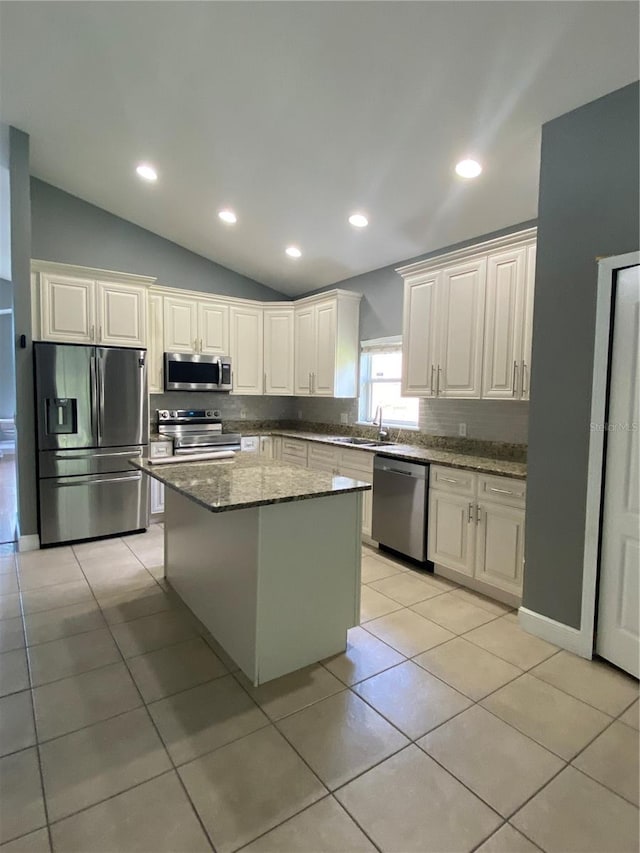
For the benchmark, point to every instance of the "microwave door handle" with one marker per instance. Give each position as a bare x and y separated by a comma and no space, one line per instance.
219,364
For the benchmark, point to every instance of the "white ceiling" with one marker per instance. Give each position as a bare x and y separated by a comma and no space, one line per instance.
295,114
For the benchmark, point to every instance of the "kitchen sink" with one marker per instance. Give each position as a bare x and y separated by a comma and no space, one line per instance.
361,442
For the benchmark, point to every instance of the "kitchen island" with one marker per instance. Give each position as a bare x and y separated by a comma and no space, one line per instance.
266,555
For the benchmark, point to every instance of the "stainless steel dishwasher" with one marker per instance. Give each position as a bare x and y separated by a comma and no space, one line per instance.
400,501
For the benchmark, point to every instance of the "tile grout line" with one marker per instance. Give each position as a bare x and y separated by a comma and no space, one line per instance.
158,735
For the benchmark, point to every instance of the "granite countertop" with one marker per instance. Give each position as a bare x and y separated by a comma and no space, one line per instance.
410,452
247,480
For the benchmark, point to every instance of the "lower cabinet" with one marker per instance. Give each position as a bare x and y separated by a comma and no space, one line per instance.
476,528
156,489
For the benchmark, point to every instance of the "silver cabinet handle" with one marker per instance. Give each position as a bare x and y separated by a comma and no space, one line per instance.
470,514
93,333
478,516
310,382
200,344
313,383
264,383
432,371
524,370
502,491
515,370
438,382
448,480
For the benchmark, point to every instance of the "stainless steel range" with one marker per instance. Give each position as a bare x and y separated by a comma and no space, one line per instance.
195,432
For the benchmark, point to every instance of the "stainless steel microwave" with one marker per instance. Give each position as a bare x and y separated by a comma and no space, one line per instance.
185,371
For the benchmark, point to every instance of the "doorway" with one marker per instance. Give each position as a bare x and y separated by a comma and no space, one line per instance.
8,486
618,616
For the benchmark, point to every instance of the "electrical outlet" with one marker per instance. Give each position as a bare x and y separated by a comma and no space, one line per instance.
344,417
243,414
462,430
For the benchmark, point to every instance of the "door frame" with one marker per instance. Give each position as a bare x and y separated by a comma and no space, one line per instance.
607,269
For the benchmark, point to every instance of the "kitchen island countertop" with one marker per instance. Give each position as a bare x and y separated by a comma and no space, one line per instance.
247,480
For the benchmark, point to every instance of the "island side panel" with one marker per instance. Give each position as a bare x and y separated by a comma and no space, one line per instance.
308,581
211,561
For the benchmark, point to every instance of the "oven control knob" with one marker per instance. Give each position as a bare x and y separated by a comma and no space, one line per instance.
209,413
174,414
163,414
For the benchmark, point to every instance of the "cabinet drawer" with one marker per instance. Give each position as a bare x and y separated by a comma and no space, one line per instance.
160,448
322,457
453,480
502,490
294,450
358,460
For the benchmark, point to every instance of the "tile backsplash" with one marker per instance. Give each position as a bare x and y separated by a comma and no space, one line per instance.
486,420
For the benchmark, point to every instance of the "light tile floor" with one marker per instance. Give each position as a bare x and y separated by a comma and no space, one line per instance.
444,726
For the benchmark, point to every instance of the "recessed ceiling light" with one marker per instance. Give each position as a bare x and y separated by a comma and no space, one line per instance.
293,251
228,216
358,220
468,168
147,172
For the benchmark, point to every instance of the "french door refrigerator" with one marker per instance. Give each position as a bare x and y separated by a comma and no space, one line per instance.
92,418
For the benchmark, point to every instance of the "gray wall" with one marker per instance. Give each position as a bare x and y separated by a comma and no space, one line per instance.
382,289
588,207
21,272
71,231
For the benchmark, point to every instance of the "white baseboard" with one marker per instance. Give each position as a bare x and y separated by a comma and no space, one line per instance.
554,632
29,543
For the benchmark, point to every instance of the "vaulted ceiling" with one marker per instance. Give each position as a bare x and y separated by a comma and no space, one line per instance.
297,114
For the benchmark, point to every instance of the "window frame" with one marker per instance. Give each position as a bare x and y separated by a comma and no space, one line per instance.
366,381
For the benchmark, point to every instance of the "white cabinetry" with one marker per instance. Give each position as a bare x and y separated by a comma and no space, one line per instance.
180,324
75,308
247,350
420,355
459,372
155,369
476,528
121,314
278,350
156,489
358,464
509,309
294,451
467,321
213,328
67,308
327,345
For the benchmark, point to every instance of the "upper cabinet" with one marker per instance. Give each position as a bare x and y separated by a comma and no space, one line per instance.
467,321
75,308
308,347
122,314
459,370
327,345
247,360
278,350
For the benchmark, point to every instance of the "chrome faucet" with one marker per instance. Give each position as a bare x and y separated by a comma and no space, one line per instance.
383,434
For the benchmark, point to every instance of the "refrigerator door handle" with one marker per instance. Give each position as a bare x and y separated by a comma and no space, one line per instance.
93,395
100,401
96,481
91,454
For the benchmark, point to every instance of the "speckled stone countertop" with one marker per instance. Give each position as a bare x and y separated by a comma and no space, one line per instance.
410,452
247,480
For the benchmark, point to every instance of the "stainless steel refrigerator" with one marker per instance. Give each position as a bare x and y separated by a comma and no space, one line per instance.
92,418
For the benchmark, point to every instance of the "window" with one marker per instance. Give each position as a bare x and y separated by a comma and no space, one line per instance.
380,384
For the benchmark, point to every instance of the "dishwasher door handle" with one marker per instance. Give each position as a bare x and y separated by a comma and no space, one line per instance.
396,471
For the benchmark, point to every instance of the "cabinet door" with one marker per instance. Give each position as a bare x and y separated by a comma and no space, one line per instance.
530,280
462,321
305,348
266,447
213,328
155,368
419,329
500,546
247,350
367,497
278,351
180,324
122,314
324,372
503,329
156,496
451,531
67,307
276,445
